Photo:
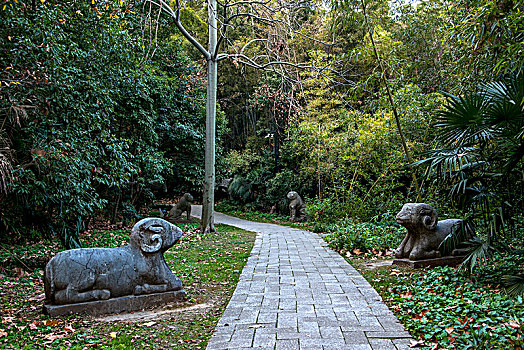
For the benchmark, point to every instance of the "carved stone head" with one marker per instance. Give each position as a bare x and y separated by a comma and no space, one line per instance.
417,216
153,235
188,197
292,195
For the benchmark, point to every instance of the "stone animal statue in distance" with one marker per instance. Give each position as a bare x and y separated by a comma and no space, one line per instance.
297,207
88,274
183,205
425,232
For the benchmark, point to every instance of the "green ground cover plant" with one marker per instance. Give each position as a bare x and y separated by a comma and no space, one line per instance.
443,309
209,265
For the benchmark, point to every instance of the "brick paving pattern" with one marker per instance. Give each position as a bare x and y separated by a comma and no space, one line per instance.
296,293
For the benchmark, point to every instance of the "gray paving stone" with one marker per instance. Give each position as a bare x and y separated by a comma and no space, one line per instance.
287,344
355,337
263,340
314,343
369,323
348,347
401,344
287,320
330,332
288,334
304,309
267,317
391,324
295,293
382,344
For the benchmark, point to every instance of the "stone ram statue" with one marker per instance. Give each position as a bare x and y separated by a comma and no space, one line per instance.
183,206
88,274
297,207
425,232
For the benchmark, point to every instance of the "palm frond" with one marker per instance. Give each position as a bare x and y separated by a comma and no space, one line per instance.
461,121
445,162
505,113
459,234
511,89
479,251
514,284
6,173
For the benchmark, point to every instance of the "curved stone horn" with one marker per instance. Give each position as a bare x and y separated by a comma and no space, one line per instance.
154,244
148,234
430,218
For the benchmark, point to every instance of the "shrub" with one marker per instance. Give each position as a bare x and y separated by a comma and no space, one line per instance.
98,125
365,237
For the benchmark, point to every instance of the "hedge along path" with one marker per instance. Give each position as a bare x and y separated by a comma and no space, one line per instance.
296,293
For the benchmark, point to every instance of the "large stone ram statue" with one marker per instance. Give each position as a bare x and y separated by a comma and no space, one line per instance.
425,232
89,274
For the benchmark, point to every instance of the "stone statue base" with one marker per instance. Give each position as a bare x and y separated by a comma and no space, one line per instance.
127,303
416,264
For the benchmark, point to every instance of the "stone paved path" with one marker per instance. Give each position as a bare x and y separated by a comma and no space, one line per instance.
296,293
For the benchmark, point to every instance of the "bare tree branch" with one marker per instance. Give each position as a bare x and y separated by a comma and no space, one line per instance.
176,17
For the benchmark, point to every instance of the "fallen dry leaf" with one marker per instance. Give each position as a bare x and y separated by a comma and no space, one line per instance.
38,297
148,324
52,336
8,319
514,324
19,272
256,326
51,323
422,314
3,334
406,295
415,343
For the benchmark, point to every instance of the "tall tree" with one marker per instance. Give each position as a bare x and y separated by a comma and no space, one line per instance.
71,160
269,52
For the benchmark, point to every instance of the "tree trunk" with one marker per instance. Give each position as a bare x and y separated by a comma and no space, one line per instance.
208,205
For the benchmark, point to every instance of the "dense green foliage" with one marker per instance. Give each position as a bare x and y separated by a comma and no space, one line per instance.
102,108
365,237
341,149
336,141
91,125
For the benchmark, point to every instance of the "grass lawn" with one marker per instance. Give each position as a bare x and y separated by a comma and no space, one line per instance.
258,216
209,266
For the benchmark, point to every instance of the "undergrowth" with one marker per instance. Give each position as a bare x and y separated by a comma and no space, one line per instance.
209,266
364,237
444,309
